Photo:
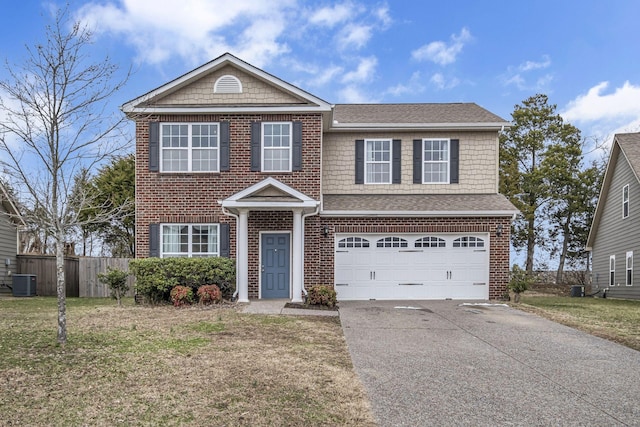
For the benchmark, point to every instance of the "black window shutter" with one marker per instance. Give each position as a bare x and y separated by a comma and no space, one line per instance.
224,240
256,141
454,161
297,147
417,161
154,146
225,140
154,240
359,161
396,162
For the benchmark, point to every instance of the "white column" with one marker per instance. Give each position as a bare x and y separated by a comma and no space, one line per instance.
297,259
242,255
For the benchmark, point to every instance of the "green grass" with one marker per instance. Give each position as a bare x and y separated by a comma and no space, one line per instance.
165,366
613,319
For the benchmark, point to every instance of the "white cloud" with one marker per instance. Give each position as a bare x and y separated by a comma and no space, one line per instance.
197,30
382,13
413,86
525,77
332,16
441,82
354,36
363,73
353,94
441,52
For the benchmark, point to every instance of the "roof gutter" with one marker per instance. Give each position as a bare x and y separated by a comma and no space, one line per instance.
335,126
335,213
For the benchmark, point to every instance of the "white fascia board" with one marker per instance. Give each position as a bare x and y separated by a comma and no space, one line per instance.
270,181
229,109
275,206
429,126
511,214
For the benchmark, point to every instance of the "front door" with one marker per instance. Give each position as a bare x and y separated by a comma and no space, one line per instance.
275,265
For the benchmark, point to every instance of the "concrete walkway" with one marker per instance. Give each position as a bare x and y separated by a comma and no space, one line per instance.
441,363
277,306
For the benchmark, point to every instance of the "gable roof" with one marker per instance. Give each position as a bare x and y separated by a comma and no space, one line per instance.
414,116
629,145
145,103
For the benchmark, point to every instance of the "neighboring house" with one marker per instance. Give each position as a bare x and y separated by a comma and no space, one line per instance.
10,224
615,233
384,201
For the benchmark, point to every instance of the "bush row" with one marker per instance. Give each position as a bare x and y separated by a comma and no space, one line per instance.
156,277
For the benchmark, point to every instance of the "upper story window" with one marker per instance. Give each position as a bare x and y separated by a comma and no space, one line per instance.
625,201
468,242
377,161
435,159
189,147
276,147
430,242
190,240
227,84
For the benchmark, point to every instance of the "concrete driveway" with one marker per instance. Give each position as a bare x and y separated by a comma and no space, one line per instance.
443,363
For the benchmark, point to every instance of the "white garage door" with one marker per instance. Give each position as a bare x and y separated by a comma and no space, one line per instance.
412,266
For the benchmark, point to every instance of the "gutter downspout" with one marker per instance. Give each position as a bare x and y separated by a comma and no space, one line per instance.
304,216
227,212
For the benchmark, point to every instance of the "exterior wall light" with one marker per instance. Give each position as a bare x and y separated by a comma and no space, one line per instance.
499,230
325,230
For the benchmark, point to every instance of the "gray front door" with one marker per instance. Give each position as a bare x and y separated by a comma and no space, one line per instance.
275,265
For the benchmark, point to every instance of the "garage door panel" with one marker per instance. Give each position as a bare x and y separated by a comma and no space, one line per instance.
413,271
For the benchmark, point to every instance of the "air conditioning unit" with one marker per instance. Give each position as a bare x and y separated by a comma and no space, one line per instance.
24,285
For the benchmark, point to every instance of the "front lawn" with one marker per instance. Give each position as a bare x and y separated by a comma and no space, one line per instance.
613,319
165,366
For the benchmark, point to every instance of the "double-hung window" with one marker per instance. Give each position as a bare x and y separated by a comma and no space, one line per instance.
625,201
612,270
190,147
435,161
629,268
190,240
276,147
377,161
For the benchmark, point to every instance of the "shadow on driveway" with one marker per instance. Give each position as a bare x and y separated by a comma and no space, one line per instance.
444,363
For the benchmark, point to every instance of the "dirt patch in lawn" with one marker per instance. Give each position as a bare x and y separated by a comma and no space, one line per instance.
309,306
165,366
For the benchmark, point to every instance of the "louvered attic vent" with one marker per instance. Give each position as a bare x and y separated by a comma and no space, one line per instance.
227,84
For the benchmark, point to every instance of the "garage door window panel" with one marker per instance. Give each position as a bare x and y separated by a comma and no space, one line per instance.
353,242
430,242
468,242
392,242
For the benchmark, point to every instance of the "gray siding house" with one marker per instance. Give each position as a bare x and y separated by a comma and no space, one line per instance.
10,222
614,238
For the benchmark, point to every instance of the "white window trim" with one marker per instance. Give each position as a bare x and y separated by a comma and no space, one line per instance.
447,162
189,147
390,161
189,253
625,201
612,269
629,265
263,148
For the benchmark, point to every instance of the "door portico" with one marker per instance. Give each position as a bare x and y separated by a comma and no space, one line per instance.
269,195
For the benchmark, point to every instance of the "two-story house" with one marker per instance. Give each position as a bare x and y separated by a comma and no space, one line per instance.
615,232
385,201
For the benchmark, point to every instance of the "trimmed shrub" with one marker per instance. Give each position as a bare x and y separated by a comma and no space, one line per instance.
155,277
321,295
116,280
209,294
520,281
181,295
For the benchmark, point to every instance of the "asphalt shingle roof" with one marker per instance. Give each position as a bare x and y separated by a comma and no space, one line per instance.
414,113
630,145
418,202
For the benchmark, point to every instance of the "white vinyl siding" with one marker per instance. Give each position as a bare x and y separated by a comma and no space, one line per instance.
190,240
276,147
377,164
189,147
435,161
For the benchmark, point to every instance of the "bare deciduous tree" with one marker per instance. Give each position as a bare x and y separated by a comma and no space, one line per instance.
55,125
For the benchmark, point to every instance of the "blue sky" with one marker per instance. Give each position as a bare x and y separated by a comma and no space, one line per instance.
583,54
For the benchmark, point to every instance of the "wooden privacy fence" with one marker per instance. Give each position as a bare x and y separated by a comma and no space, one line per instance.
81,274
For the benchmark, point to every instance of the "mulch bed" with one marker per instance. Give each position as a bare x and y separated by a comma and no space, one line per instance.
309,306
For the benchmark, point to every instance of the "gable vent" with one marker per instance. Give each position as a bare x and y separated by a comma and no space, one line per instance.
227,84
